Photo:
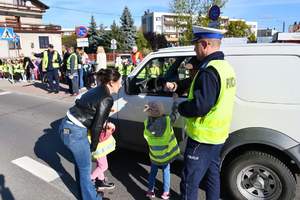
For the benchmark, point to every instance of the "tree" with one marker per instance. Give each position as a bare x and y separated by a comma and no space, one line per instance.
238,29
117,35
156,41
141,42
192,12
93,36
69,40
104,38
252,38
128,29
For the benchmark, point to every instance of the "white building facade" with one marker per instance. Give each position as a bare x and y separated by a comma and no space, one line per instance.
25,17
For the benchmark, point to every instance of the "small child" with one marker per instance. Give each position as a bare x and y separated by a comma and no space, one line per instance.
106,145
163,147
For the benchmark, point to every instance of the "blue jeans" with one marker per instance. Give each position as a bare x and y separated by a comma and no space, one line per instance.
166,176
201,163
80,77
75,138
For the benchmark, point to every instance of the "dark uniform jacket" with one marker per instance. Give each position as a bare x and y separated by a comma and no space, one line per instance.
206,89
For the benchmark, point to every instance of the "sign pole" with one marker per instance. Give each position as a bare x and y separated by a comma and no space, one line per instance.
113,46
114,56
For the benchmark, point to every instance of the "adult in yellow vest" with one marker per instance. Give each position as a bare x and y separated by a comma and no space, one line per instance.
154,71
72,72
51,62
208,113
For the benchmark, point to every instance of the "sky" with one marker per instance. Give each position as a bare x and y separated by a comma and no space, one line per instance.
71,13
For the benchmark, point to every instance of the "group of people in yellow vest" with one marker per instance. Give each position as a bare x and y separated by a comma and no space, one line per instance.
12,68
153,70
71,67
18,69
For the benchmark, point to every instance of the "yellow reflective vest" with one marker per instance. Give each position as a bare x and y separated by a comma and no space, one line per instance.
45,60
69,62
125,70
162,149
154,71
103,148
214,127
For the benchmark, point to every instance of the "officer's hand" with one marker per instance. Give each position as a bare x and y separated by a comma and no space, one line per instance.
71,77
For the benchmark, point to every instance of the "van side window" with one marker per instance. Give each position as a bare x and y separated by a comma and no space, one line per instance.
182,70
155,68
162,68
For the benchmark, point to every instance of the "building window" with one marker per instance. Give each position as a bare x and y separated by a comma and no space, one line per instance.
159,29
14,45
157,18
19,2
44,42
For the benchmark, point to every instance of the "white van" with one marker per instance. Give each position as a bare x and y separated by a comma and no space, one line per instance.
261,157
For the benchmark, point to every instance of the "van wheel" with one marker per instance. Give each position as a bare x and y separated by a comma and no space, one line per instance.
256,175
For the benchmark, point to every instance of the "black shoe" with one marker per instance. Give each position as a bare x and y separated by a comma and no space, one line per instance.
56,91
103,185
50,91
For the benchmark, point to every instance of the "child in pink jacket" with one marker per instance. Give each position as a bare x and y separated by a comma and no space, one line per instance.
105,146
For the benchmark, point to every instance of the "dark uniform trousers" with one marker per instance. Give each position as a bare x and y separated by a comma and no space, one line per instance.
52,75
201,165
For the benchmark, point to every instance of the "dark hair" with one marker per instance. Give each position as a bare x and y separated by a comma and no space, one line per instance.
106,75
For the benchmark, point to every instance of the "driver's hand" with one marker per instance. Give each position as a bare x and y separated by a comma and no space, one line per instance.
170,86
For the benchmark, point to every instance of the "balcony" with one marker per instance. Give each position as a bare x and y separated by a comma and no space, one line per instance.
169,22
8,7
32,28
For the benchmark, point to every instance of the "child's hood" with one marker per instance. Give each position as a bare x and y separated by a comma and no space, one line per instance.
157,126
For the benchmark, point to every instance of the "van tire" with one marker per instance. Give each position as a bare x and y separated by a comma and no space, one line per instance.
246,175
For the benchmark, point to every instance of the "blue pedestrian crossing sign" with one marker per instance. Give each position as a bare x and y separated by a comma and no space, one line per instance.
7,33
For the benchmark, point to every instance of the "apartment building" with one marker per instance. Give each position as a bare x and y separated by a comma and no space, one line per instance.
165,23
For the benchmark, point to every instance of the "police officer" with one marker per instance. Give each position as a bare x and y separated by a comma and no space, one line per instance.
208,113
51,62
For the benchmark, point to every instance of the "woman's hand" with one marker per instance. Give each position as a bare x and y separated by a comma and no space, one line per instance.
110,126
170,86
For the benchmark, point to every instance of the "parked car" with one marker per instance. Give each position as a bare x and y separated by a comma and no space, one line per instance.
261,157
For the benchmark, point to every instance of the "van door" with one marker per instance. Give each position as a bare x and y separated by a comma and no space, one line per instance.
131,116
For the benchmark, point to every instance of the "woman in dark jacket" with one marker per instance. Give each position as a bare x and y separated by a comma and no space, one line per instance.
90,111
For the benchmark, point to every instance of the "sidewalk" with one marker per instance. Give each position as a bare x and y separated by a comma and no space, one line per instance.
37,89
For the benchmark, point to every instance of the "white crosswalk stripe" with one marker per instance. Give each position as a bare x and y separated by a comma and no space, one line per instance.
38,169
4,93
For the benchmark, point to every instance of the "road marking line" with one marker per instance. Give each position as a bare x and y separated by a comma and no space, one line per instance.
4,93
40,170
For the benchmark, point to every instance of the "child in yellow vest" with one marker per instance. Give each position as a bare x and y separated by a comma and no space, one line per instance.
105,146
163,147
